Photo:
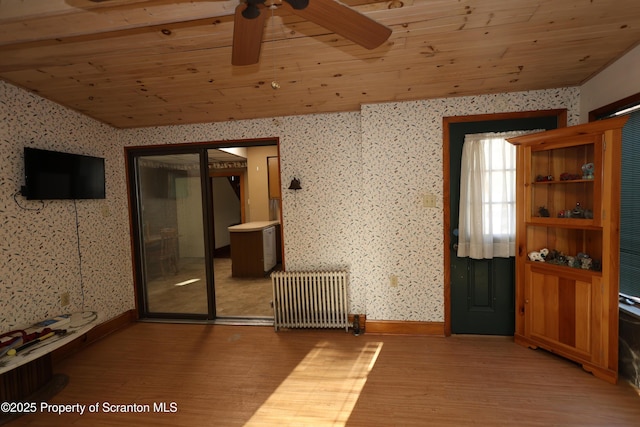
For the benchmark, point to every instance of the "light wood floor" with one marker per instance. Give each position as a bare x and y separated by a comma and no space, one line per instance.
220,375
235,297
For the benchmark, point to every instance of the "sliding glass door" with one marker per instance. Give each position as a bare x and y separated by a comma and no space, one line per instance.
183,199
172,265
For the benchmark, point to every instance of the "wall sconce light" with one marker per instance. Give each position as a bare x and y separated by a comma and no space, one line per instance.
295,184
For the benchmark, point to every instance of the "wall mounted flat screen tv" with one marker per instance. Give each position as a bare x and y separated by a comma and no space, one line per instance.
57,175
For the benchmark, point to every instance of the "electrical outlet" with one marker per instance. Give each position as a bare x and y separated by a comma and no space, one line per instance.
429,201
64,299
394,281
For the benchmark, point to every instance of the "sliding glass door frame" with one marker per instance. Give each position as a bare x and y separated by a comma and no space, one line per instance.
137,227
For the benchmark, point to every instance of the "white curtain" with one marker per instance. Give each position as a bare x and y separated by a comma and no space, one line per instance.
487,221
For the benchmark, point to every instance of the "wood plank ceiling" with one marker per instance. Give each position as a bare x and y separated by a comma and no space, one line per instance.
136,63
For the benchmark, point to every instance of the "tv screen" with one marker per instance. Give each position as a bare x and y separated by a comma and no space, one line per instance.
57,175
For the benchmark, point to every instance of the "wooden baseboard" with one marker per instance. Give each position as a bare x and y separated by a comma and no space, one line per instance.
392,327
368,326
95,334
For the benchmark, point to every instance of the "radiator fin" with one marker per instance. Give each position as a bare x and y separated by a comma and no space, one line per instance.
310,299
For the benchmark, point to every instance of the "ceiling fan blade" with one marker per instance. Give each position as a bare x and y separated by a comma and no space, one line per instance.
247,36
343,20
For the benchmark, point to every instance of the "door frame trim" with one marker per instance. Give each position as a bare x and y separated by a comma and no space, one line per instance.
561,115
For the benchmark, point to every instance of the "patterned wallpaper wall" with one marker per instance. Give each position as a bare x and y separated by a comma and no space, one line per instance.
402,146
39,255
363,175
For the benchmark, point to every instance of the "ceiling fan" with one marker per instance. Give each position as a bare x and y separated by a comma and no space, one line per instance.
250,16
330,14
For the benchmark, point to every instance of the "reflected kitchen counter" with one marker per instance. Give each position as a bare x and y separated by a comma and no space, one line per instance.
252,226
254,248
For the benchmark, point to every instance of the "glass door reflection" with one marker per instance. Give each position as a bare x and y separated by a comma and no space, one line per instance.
173,246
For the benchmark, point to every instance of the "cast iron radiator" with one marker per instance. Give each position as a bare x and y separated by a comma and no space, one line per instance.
310,299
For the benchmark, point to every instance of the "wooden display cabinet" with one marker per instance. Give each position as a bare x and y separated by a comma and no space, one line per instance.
568,303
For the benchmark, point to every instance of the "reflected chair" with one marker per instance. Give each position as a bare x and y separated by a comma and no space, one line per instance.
169,250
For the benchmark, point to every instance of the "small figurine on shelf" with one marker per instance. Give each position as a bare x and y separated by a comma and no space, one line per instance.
544,178
577,212
539,256
573,261
566,176
552,256
586,263
587,171
585,260
543,211
567,213
556,257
